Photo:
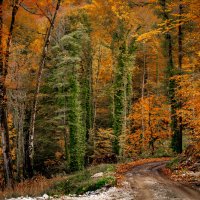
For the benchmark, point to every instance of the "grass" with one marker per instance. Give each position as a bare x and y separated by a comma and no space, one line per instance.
34,187
76,183
81,182
173,164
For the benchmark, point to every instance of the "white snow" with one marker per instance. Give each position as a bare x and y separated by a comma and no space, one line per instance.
97,175
113,193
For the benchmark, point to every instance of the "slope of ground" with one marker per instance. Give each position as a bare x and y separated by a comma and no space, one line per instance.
141,182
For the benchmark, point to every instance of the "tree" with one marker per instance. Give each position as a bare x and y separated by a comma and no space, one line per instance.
4,63
122,83
70,58
171,85
30,137
73,103
103,150
144,138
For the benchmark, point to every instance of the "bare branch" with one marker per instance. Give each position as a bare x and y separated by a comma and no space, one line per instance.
28,10
44,14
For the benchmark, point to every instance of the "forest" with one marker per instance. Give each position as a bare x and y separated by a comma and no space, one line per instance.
85,82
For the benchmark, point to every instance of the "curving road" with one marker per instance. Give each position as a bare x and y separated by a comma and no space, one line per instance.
148,183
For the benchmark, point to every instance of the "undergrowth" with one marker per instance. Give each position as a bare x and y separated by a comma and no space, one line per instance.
76,183
33,187
82,181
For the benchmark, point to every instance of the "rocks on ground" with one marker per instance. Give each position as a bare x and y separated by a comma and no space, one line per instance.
113,193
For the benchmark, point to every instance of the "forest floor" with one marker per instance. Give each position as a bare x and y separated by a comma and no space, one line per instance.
140,182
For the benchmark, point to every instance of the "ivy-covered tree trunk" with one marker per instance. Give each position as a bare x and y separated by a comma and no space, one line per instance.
71,52
87,94
76,130
123,50
119,98
171,85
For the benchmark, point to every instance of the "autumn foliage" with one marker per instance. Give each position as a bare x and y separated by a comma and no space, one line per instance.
85,82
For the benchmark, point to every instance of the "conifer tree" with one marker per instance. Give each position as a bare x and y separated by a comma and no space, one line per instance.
67,77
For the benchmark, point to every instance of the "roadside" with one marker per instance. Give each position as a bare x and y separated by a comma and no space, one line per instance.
185,168
139,180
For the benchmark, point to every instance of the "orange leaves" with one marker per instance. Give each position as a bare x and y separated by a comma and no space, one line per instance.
103,20
189,93
123,168
150,121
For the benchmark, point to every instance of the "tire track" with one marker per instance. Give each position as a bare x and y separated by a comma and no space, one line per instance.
148,182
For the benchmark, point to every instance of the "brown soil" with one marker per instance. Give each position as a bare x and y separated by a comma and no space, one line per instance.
148,182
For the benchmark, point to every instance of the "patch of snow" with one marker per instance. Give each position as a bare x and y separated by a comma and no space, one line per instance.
45,196
113,193
97,175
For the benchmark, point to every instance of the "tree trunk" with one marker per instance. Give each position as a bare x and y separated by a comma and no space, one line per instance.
144,80
176,139
180,38
87,93
3,98
30,137
119,95
180,60
96,82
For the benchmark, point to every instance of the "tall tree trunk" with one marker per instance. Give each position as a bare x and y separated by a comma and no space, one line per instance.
87,102
16,105
10,34
96,82
3,98
144,80
157,74
119,95
30,152
180,37
176,139
180,60
122,51
176,103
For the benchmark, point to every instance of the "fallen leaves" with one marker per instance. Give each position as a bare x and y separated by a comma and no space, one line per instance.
123,168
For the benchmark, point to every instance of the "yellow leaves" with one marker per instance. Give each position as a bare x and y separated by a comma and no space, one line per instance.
36,46
121,9
149,35
103,145
12,138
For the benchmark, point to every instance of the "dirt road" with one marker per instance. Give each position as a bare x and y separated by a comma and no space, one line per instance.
148,183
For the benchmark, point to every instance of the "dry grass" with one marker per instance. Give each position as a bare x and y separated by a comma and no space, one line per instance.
33,187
